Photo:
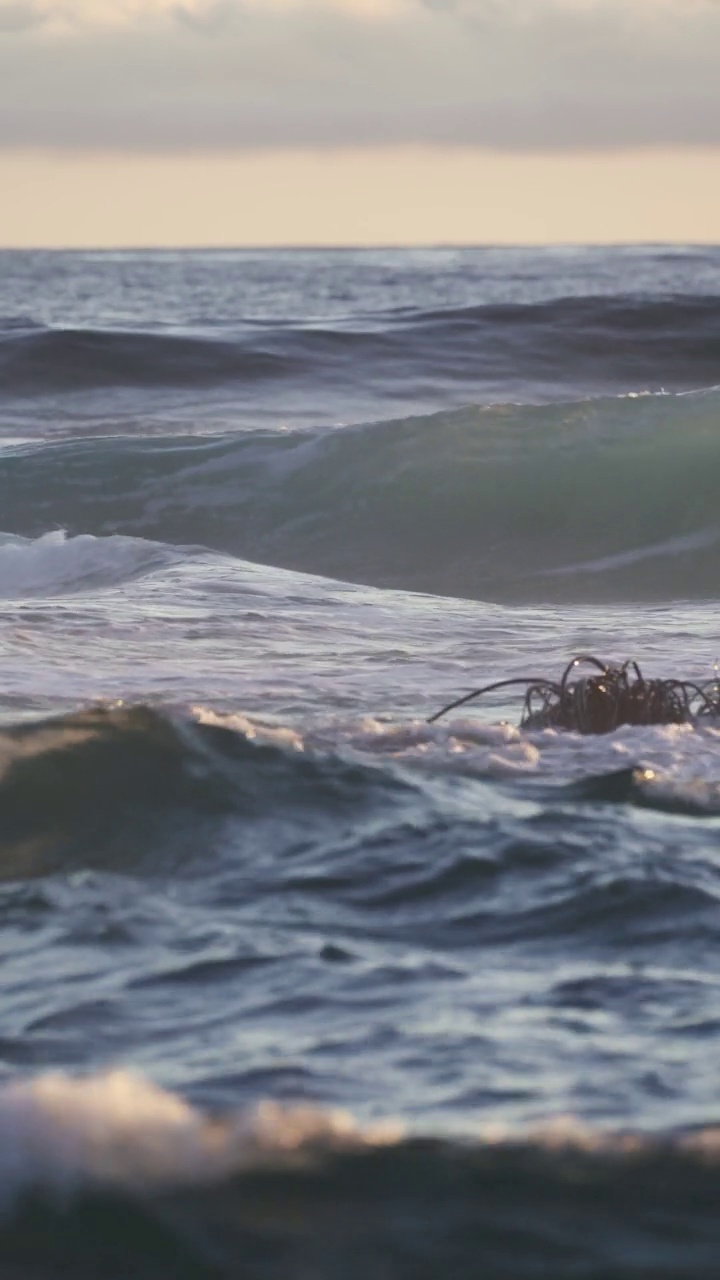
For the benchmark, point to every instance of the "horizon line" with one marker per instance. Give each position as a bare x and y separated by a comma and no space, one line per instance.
350,247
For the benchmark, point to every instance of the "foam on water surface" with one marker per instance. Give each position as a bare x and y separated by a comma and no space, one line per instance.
60,1133
55,564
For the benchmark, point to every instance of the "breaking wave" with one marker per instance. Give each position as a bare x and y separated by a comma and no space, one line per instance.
107,786
111,1175
594,500
55,564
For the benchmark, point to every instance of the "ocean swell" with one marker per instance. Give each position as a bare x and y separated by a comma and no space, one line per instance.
608,499
587,343
36,360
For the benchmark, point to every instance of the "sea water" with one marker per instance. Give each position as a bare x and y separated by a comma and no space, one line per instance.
292,983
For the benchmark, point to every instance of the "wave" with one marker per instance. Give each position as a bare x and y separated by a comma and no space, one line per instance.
619,341
36,360
55,564
608,499
130,787
111,1174
140,789
612,343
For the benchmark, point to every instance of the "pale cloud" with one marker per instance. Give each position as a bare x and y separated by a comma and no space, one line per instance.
71,14
19,16
532,75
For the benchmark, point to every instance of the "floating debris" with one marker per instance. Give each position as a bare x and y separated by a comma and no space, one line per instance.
598,703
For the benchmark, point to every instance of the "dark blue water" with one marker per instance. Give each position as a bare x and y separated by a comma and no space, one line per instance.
293,983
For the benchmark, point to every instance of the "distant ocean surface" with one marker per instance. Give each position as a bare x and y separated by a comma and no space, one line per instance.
293,985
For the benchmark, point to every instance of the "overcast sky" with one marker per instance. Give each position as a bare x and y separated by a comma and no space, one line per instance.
533,75
358,121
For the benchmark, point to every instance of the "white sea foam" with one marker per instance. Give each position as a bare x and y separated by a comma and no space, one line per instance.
54,563
60,1133
678,760
464,744
251,728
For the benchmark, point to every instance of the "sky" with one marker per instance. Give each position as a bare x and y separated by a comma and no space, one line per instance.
168,122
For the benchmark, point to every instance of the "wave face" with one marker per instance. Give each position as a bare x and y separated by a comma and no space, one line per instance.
96,788
595,500
581,343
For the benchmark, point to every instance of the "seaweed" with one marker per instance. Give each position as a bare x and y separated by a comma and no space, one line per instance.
612,695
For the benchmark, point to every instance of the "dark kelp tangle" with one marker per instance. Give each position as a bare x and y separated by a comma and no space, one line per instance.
610,696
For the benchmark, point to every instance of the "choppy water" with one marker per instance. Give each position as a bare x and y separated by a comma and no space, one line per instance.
292,983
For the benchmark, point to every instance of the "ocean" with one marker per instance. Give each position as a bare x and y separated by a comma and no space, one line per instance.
293,984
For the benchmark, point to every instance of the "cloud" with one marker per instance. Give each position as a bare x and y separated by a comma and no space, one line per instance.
210,18
542,75
20,16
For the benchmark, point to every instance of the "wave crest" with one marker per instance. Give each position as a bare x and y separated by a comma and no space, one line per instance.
54,564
